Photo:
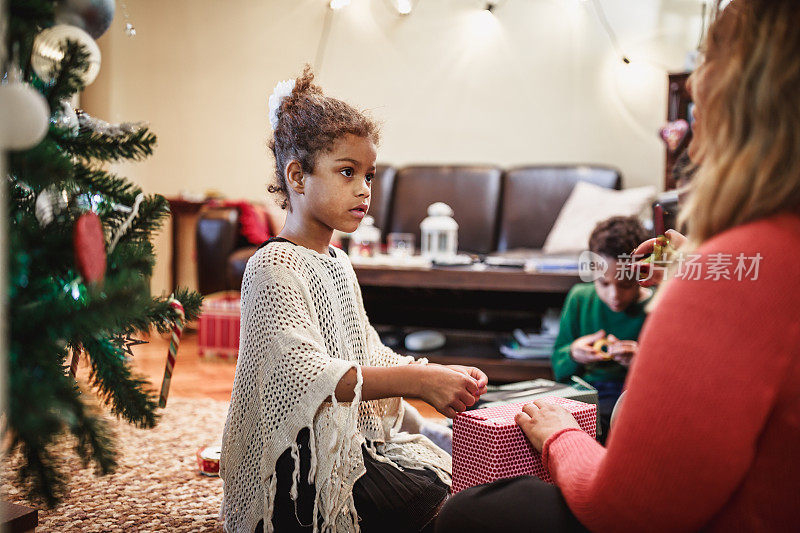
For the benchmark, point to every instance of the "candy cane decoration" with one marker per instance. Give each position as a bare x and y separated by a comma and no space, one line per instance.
177,330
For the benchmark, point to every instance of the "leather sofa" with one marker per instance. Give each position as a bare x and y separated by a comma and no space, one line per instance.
497,211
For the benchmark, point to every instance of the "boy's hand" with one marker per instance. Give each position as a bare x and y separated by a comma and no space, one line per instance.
622,351
449,391
582,351
539,420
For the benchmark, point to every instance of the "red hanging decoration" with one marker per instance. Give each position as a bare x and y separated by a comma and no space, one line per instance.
89,244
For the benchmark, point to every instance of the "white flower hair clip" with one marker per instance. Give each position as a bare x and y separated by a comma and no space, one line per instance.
281,91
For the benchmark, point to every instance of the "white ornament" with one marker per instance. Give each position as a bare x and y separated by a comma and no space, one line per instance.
48,203
282,90
439,233
48,51
24,115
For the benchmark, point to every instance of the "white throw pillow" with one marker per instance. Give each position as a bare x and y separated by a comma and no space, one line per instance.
586,206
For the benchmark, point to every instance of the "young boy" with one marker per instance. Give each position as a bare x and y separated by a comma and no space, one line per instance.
610,308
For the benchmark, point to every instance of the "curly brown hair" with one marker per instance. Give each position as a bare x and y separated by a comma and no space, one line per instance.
617,236
308,123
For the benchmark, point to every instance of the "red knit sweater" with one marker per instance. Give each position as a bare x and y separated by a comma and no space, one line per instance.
708,435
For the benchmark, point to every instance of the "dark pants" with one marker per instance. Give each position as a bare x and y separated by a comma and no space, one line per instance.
387,500
525,504
608,392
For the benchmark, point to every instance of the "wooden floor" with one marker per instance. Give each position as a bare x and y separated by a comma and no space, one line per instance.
196,377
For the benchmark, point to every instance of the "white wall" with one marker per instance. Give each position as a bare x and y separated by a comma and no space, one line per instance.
536,82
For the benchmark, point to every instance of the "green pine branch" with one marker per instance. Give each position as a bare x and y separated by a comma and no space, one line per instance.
108,185
41,166
67,75
161,315
91,145
126,394
46,391
153,212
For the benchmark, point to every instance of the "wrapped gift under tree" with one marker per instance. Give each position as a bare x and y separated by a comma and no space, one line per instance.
218,330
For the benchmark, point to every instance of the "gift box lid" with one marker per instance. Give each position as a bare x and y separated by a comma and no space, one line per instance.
503,415
221,303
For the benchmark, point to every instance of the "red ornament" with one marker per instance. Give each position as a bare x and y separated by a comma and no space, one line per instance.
89,244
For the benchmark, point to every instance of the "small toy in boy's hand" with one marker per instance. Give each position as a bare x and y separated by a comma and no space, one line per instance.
602,347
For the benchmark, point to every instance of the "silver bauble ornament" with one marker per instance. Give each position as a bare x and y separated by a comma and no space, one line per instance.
93,16
66,118
48,51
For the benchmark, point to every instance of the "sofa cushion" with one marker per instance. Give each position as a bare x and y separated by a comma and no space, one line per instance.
586,206
533,197
473,192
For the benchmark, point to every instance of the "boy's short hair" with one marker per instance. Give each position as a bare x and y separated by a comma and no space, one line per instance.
617,236
308,123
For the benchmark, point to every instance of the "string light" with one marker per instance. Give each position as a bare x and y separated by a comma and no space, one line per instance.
339,4
612,36
404,7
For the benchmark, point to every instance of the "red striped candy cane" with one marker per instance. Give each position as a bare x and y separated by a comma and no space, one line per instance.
177,330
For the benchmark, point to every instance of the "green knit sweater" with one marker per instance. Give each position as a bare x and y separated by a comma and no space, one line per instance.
585,313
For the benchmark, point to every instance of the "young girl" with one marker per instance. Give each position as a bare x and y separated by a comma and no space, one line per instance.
312,438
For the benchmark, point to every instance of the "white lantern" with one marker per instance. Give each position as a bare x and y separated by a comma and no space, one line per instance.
365,241
439,233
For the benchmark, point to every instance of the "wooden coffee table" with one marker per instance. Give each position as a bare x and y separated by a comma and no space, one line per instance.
472,307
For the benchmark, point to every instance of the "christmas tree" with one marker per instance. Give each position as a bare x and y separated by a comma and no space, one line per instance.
80,254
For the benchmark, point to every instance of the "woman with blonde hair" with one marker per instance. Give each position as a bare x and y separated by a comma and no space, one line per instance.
709,434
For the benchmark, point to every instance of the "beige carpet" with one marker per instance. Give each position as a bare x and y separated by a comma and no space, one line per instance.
156,486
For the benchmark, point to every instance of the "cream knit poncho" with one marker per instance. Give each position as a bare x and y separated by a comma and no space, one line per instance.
303,327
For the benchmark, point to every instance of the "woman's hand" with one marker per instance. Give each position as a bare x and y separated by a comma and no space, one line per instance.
581,349
540,420
449,391
654,276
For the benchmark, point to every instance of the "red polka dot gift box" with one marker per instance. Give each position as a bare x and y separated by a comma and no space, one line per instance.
488,444
218,328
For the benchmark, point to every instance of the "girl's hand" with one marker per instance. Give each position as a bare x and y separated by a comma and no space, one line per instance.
540,420
654,276
449,391
475,373
582,351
